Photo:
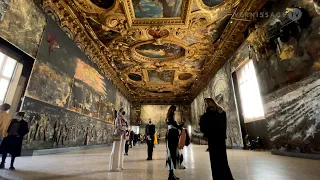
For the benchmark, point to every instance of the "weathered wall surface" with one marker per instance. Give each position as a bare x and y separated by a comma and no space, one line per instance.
22,24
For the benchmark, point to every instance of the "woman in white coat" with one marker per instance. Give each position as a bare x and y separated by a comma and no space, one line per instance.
116,157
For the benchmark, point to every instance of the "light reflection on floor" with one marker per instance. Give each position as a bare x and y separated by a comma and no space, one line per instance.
93,164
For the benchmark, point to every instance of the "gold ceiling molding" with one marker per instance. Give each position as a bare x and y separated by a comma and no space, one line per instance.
155,60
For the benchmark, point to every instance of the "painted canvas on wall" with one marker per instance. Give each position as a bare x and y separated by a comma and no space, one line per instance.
22,24
293,117
82,89
165,76
157,8
160,51
68,100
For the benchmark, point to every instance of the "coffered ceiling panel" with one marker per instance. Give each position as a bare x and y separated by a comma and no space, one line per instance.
155,51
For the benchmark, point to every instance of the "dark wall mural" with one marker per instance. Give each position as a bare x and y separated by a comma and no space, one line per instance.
293,116
22,24
68,100
287,70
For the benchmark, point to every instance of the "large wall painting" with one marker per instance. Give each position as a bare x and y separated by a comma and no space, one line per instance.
157,8
22,24
165,50
68,100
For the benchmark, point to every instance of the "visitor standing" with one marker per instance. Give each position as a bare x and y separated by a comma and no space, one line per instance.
150,130
12,143
173,157
213,124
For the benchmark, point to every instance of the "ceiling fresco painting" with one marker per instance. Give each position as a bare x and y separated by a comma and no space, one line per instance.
156,51
165,50
165,76
157,8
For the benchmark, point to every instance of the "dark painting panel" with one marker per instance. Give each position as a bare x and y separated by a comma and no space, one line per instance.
53,127
22,24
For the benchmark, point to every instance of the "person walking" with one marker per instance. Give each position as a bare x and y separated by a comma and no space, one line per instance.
213,124
4,120
150,130
173,157
12,143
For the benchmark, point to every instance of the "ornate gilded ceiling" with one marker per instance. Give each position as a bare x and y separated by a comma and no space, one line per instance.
155,51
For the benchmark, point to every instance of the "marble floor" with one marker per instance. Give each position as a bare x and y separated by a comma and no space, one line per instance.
93,164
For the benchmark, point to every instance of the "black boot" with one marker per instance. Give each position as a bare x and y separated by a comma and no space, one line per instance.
172,176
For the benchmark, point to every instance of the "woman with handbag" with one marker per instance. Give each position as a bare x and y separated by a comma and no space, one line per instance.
116,157
173,157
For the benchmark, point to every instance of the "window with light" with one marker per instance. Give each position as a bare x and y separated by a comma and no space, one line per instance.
7,68
252,107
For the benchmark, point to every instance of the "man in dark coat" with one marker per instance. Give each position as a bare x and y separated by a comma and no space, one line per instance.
150,130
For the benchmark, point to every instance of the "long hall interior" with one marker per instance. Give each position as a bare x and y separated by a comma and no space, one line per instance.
85,83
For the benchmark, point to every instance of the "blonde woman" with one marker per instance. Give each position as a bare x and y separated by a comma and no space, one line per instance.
116,156
213,124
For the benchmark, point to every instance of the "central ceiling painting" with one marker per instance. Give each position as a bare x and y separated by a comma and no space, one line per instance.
155,51
157,8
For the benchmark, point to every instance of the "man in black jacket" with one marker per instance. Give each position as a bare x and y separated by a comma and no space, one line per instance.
150,130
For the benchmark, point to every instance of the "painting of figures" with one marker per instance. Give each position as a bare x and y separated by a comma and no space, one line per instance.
166,50
157,8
